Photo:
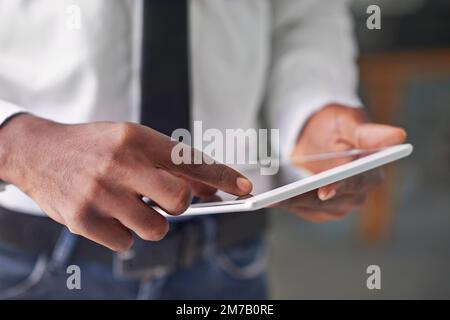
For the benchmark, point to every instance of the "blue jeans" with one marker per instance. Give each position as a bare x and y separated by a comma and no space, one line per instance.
237,273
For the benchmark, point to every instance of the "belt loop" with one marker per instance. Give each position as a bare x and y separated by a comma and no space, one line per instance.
63,250
210,236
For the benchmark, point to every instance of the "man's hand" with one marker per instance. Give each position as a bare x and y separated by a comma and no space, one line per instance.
338,128
92,177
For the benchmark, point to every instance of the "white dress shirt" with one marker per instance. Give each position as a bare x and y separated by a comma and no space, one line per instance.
283,59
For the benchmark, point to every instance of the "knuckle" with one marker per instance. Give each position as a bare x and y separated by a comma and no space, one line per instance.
156,232
81,210
122,150
123,245
108,164
77,220
180,200
94,190
73,229
124,135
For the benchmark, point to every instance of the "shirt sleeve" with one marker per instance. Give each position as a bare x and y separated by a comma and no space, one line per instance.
7,110
313,64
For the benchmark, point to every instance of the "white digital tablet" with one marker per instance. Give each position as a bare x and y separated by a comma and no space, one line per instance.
264,199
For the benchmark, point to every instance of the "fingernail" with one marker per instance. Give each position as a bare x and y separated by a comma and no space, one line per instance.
327,196
244,185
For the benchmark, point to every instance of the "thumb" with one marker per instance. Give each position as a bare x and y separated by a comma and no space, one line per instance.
372,136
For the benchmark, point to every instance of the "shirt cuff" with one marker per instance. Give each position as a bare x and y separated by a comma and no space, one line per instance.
7,110
295,117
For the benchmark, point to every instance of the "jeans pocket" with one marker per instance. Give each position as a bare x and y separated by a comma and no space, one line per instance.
245,261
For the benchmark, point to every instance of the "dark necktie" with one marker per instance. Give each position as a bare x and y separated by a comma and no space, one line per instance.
165,99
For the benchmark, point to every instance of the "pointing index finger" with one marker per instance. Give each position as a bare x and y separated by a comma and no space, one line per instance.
216,175
208,171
